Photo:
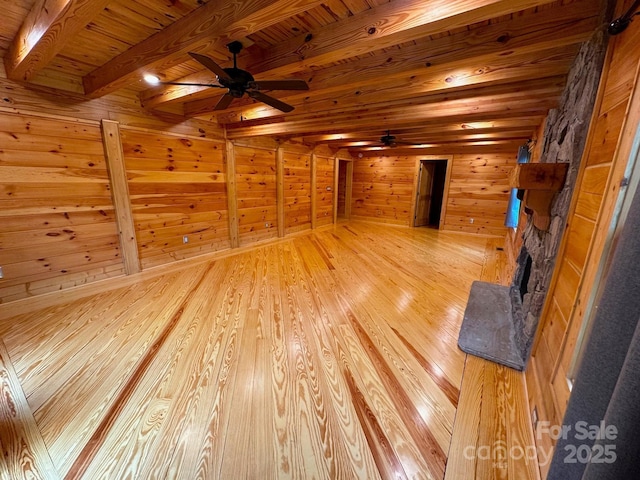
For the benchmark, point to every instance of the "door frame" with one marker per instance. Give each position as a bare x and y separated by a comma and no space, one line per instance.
445,194
426,174
348,187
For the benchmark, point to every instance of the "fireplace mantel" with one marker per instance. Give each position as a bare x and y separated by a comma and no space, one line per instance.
538,184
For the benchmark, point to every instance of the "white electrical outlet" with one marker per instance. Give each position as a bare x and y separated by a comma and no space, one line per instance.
185,239
1,273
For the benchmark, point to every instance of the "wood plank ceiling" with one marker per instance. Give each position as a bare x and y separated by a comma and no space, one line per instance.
445,75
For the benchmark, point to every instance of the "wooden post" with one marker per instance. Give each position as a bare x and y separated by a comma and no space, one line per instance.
314,193
280,189
232,193
336,180
120,195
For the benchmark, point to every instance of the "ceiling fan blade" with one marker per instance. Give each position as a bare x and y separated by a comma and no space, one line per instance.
211,65
280,85
210,85
274,102
224,102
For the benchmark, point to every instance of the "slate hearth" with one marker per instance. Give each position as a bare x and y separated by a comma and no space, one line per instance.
493,320
488,329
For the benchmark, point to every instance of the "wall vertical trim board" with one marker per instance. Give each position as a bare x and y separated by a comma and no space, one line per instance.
280,189
232,193
314,188
336,174
120,194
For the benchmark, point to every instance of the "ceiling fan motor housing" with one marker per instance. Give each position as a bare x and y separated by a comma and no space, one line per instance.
238,83
388,140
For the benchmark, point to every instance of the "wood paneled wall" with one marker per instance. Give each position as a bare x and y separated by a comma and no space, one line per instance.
297,191
479,193
324,188
597,189
478,189
176,178
57,219
177,189
383,188
257,200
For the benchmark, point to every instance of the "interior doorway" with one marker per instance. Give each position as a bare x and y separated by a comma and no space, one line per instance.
344,181
430,192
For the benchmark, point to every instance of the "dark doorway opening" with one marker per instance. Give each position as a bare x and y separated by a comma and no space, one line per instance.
430,191
343,194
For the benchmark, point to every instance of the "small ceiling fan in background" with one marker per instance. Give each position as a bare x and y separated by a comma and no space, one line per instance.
238,82
389,140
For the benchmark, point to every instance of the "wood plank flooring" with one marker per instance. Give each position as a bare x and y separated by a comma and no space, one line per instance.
327,355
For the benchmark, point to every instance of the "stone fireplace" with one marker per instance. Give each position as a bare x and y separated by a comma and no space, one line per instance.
500,322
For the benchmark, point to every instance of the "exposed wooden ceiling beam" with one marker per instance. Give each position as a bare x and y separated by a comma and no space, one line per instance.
513,133
527,101
389,24
462,75
202,28
528,123
540,85
47,28
520,35
476,148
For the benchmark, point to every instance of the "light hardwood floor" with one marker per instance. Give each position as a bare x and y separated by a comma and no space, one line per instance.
331,354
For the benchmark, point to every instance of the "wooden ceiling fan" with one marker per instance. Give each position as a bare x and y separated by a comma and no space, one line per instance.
238,82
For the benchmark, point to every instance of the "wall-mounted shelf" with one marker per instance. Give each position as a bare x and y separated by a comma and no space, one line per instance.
540,182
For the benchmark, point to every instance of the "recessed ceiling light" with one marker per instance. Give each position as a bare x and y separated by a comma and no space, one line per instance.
151,79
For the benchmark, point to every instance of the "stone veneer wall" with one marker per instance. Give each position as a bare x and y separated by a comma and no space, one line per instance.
563,141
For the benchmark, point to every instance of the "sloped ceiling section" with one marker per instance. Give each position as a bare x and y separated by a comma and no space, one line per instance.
441,76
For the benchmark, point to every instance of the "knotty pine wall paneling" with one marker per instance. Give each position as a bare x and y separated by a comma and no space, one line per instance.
177,186
383,188
479,193
297,191
256,190
478,189
123,107
324,188
57,217
58,226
